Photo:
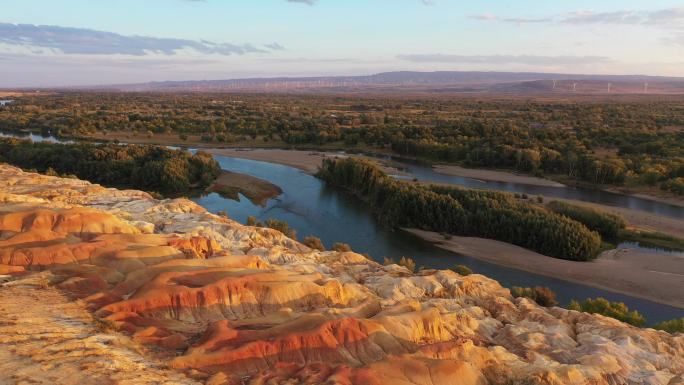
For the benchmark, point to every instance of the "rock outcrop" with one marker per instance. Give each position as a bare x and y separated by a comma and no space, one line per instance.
222,303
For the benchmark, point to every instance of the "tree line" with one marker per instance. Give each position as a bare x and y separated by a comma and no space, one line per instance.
615,141
452,210
151,168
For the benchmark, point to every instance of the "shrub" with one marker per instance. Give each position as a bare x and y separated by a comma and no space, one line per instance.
281,226
252,221
463,270
541,295
314,243
671,326
606,224
675,185
408,263
617,310
341,247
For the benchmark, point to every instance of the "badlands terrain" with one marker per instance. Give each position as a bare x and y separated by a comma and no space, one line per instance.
102,286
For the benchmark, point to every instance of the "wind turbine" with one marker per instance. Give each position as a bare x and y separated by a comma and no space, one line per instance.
554,84
645,88
609,86
574,87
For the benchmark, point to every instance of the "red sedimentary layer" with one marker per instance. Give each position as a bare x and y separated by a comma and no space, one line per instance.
284,314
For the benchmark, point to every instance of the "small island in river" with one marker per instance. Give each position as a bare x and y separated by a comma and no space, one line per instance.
231,184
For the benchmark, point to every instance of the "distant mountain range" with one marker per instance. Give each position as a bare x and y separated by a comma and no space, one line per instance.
427,82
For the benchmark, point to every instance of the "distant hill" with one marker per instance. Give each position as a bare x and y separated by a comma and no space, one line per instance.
427,82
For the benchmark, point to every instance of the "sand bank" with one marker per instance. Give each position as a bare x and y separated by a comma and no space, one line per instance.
494,176
229,184
652,276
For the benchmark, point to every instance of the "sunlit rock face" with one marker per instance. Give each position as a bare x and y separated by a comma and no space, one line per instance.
223,303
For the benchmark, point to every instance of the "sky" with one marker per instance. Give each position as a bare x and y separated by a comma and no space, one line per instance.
47,43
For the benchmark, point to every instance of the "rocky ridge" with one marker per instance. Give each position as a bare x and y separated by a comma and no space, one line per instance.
189,297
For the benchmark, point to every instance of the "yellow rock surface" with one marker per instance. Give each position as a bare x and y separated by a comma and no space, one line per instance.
108,286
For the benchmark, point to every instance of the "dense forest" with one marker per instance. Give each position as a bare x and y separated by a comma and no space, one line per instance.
623,141
452,210
150,168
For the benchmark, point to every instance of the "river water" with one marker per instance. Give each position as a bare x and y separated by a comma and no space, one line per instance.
426,173
312,208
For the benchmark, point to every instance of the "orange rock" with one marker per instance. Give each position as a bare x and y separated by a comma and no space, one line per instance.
196,247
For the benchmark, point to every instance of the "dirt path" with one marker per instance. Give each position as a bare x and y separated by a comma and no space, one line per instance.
47,339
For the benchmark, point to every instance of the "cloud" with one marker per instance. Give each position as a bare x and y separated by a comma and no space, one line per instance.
313,2
677,40
668,17
307,2
504,59
92,42
274,47
516,20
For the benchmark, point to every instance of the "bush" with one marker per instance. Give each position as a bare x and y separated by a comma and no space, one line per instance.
408,263
281,226
541,295
314,243
341,247
617,310
671,326
462,270
675,185
606,224
252,221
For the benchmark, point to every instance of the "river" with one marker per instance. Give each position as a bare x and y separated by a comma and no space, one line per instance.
312,208
427,173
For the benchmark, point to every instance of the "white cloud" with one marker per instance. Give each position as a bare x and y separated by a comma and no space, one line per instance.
87,41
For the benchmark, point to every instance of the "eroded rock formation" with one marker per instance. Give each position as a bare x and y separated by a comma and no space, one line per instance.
223,303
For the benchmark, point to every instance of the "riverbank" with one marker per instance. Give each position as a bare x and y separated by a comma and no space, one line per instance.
308,161
653,276
637,219
230,184
494,176
269,151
